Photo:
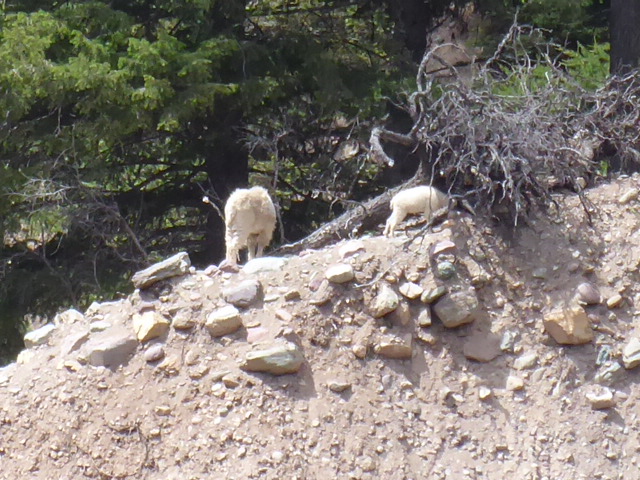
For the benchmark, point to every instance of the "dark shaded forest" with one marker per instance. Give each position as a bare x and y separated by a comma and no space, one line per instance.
118,117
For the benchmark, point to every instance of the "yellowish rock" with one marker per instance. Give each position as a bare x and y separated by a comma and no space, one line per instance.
569,325
148,325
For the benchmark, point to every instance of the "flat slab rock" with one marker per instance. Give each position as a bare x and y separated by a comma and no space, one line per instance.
110,348
171,267
39,336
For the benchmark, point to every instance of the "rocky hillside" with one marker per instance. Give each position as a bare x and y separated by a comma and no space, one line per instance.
457,353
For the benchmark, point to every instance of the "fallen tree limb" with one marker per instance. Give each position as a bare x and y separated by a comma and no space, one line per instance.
351,223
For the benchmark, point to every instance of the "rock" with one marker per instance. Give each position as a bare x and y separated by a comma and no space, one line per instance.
73,342
588,294
604,355
350,248
569,326
628,196
514,383
614,301
424,318
149,325
257,334
340,273
99,326
231,380
609,373
410,290
385,302
154,353
171,267
508,342
284,315
540,273
292,294
39,336
110,348
431,295
484,393
223,321
443,246
244,294
323,294
170,365
394,347
457,308
600,398
279,358
68,317
337,386
482,347
361,340
445,270
402,314
426,337
264,264
360,351
183,320
528,360
631,353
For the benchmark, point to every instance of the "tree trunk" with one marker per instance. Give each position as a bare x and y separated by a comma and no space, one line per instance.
624,28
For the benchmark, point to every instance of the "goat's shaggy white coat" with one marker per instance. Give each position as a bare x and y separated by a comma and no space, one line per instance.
250,219
423,200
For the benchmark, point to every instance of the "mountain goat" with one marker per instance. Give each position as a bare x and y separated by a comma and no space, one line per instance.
250,219
423,200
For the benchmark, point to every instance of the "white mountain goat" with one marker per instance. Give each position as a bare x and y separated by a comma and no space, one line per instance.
250,219
423,200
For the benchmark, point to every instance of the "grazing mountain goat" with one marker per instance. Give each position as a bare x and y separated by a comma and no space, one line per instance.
250,219
425,200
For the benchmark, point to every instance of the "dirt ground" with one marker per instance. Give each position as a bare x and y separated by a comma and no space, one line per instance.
439,414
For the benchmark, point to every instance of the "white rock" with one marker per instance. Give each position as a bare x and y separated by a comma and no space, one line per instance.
411,290
601,398
68,317
514,383
39,336
340,273
264,264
